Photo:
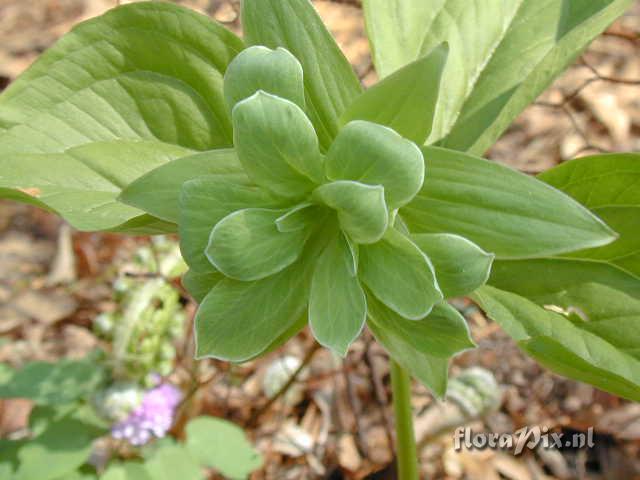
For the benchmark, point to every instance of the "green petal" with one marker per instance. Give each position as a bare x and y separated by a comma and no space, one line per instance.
203,203
337,305
330,82
376,155
299,217
200,284
158,191
247,245
400,275
239,320
276,72
423,347
361,208
277,145
461,266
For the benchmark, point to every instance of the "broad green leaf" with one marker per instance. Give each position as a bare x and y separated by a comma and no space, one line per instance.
83,183
330,83
610,314
221,445
300,217
203,203
200,284
599,181
59,451
549,280
158,191
362,211
461,266
400,275
503,54
424,347
501,210
376,155
563,345
195,54
246,245
54,383
337,303
259,68
606,298
102,89
170,462
624,252
240,320
609,185
277,145
396,30
406,100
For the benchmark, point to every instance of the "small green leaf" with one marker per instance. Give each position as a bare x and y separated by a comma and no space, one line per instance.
9,456
246,245
563,345
54,383
400,275
126,471
169,462
503,211
259,68
406,100
330,82
376,155
461,266
60,450
200,284
203,203
223,446
277,145
362,211
337,304
423,347
158,191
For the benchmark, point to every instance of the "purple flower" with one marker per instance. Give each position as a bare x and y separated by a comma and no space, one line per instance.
152,418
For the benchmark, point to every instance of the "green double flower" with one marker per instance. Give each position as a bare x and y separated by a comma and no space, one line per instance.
332,215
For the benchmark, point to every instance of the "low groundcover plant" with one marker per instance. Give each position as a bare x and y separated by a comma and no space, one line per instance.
301,198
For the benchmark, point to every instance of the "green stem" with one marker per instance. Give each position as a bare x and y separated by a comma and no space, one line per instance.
406,451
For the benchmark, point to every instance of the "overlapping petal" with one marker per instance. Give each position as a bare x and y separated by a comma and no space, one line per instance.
310,233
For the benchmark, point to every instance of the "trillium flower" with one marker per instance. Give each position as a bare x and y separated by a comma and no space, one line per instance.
296,234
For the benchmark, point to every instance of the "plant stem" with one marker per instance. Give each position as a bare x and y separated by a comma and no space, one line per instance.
406,452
